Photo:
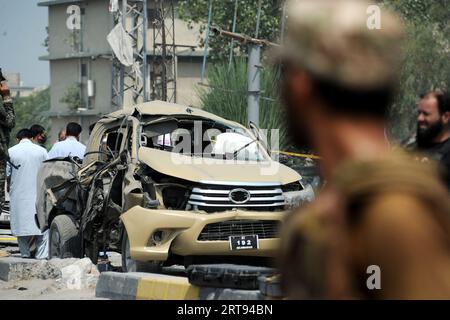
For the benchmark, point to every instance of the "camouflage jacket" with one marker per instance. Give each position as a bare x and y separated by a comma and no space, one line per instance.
7,123
393,213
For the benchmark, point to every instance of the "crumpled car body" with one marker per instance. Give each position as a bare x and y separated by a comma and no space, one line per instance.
155,173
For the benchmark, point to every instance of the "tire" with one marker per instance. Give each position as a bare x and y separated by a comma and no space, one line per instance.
64,238
130,265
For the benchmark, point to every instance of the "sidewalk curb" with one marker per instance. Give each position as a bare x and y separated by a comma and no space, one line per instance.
12,268
150,286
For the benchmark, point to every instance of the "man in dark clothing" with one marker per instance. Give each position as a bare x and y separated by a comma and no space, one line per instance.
433,130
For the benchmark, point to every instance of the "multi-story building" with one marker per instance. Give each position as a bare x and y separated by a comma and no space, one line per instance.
18,89
80,59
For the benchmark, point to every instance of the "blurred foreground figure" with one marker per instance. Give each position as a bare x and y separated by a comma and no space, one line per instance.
380,227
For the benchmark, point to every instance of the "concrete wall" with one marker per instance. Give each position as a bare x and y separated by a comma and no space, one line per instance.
96,22
101,74
59,35
63,74
65,69
183,35
188,77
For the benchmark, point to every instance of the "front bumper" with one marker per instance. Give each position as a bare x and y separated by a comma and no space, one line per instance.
181,230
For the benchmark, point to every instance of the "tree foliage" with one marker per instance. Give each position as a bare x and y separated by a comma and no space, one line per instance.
425,67
30,110
426,53
226,96
196,11
72,97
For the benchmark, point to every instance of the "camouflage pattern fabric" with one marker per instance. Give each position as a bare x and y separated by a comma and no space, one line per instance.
322,241
7,122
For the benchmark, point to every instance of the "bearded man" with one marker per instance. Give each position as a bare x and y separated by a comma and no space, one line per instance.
433,130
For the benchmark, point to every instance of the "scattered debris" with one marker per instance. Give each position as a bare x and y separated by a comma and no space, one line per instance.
72,273
4,253
83,274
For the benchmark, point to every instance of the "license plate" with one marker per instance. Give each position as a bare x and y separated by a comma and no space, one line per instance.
244,242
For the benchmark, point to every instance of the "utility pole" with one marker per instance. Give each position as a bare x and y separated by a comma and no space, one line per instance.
163,74
133,16
254,68
283,22
254,75
149,78
253,82
205,52
233,29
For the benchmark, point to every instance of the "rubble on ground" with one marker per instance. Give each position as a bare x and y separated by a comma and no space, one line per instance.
71,273
82,274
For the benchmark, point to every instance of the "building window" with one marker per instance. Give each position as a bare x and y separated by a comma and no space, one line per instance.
83,70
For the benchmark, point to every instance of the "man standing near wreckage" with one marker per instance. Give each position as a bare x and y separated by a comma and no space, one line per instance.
7,123
27,157
380,228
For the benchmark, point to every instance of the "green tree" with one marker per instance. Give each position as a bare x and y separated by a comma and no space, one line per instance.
426,53
30,110
73,98
226,96
425,66
196,11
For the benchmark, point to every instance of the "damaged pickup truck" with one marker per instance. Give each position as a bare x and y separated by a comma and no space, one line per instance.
166,184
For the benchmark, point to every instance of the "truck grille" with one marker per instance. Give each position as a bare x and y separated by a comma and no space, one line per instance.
214,198
221,231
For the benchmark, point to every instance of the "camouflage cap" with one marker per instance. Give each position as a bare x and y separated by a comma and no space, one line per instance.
333,40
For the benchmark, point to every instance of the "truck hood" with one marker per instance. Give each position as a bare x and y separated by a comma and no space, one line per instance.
206,170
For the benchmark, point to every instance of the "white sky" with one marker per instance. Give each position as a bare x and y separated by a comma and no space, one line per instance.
22,33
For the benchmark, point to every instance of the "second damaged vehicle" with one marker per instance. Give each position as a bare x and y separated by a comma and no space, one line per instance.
168,184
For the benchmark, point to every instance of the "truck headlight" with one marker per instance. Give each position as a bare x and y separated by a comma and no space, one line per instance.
294,186
299,197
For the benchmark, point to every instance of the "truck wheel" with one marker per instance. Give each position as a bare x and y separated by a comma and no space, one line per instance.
130,265
64,238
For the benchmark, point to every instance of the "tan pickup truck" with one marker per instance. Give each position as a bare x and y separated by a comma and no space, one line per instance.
168,184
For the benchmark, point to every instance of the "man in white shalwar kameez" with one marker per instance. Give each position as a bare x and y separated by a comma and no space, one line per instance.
71,146
28,157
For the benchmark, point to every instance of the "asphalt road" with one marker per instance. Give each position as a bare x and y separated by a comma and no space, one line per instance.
37,289
7,241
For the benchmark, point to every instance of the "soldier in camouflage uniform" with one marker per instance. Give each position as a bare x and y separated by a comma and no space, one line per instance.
379,208
7,122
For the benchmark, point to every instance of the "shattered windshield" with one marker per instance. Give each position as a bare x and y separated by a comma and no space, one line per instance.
202,138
